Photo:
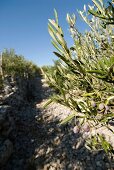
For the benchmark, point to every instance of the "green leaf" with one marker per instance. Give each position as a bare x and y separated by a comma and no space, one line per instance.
51,32
96,71
56,16
88,94
98,6
56,26
96,14
67,119
60,38
108,99
60,56
48,103
57,47
106,145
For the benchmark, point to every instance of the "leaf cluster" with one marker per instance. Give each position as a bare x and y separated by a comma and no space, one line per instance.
17,65
84,75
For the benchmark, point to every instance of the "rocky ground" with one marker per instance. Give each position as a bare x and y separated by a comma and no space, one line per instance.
37,142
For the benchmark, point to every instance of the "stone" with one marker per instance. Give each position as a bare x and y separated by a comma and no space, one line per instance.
3,113
79,144
98,163
57,141
46,167
49,150
6,149
56,147
7,89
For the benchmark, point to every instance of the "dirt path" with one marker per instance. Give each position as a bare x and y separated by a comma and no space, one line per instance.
40,144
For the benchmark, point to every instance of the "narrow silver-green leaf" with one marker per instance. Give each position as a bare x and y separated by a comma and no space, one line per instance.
68,118
56,16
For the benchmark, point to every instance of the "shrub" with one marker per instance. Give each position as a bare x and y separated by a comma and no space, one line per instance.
84,76
16,65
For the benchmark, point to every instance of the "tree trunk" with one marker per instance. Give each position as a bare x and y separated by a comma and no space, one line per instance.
1,72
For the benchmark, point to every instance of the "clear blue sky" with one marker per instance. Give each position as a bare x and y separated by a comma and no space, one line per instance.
23,26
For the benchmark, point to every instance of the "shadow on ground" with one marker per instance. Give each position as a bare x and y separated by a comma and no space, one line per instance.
61,149
40,144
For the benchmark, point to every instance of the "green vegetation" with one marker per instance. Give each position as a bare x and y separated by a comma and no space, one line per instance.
15,65
84,74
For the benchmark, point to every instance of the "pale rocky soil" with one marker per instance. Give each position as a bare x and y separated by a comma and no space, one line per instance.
39,143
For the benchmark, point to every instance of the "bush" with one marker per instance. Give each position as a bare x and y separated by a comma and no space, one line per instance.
15,65
84,76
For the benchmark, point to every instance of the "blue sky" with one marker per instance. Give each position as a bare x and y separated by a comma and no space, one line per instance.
23,26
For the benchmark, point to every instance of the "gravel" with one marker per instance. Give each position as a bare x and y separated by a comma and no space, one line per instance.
41,144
